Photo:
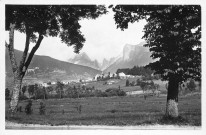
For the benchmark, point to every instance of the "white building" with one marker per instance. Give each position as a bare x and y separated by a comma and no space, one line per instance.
44,84
96,76
122,75
53,82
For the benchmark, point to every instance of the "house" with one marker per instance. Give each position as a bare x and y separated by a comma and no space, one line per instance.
122,75
36,68
30,70
65,82
45,84
97,76
53,82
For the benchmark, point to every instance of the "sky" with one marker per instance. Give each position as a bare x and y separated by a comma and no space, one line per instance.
103,39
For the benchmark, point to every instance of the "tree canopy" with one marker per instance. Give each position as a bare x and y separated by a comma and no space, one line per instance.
39,21
52,20
172,33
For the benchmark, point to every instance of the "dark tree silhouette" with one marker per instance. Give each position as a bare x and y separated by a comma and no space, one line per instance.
31,90
24,89
7,94
173,35
59,88
38,21
127,82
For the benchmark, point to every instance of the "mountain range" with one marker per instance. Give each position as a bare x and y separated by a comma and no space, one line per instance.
131,55
84,60
53,66
81,66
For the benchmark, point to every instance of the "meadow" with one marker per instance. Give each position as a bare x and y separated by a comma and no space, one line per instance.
128,110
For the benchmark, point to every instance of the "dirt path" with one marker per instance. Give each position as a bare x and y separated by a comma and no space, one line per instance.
12,125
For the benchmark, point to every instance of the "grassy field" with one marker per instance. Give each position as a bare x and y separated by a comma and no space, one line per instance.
129,110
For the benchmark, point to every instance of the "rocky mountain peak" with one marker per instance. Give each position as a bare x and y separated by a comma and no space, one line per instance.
132,55
84,59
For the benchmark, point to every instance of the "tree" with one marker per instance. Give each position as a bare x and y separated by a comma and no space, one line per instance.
39,21
75,93
24,89
143,85
138,82
42,108
44,92
7,94
28,108
31,90
108,75
173,35
59,88
49,89
133,83
37,91
127,82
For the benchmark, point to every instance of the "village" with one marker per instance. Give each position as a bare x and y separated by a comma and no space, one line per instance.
107,65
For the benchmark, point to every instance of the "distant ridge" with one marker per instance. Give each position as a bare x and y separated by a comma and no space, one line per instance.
46,63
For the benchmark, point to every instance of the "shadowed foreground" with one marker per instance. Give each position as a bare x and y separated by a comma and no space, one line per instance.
114,111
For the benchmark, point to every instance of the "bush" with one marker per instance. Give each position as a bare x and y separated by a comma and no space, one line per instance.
191,85
19,109
99,93
113,110
122,93
28,109
133,83
143,85
22,97
24,89
115,92
138,82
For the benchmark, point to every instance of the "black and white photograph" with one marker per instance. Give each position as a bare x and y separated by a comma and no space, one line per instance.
102,66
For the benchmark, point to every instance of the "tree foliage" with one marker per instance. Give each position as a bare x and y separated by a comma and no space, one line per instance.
31,89
52,20
39,21
24,88
173,35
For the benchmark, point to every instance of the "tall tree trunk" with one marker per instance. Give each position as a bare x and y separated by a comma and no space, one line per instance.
172,97
16,90
19,71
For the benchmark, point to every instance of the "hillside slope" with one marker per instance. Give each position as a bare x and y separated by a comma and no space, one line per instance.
48,64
